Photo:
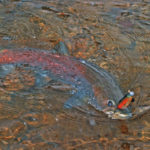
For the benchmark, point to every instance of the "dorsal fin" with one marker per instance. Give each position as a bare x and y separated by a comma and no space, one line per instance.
61,49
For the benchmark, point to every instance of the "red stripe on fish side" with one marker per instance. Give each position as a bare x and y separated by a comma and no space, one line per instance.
57,64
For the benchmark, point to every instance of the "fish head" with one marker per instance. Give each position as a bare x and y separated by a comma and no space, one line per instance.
114,113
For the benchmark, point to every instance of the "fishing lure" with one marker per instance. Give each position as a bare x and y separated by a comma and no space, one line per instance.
126,100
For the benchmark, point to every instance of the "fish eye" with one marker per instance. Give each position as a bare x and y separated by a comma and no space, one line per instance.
111,103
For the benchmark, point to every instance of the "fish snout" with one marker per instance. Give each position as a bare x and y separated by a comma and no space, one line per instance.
118,114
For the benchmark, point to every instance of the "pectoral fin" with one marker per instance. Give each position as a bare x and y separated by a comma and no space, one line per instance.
61,48
75,101
81,99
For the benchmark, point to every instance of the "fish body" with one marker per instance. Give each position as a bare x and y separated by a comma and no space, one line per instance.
93,85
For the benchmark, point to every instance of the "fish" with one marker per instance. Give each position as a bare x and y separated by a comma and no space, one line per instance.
93,85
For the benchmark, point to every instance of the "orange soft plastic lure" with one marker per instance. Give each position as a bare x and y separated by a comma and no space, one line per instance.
126,100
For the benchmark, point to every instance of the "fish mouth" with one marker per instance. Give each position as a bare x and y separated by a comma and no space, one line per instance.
119,114
126,114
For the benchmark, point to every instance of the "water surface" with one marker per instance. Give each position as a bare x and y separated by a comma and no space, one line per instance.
114,34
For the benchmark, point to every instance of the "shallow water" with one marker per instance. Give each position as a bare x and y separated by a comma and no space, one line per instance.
112,34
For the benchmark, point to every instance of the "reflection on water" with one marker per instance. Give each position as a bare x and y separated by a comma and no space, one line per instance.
112,34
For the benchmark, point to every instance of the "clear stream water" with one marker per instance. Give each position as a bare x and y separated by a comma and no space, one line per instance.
114,34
